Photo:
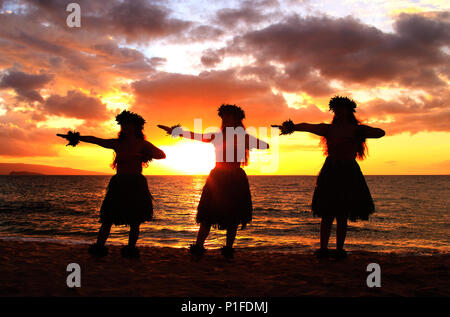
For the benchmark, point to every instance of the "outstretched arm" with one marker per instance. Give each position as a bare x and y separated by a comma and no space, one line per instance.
186,134
154,152
320,129
106,143
369,132
252,142
289,127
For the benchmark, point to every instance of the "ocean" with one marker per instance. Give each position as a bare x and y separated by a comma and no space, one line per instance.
412,213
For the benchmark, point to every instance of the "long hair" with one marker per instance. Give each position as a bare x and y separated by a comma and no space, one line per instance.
139,135
238,115
238,123
361,149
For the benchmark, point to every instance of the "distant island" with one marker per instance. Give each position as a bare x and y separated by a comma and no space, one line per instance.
24,173
34,169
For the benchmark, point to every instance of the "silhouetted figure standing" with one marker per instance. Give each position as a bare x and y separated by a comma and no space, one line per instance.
128,200
341,191
226,200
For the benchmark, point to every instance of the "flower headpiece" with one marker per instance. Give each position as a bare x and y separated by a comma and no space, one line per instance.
130,117
338,101
233,110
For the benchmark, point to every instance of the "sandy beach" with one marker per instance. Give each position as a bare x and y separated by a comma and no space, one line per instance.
39,269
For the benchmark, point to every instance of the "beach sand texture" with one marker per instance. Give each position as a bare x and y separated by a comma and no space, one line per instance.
39,269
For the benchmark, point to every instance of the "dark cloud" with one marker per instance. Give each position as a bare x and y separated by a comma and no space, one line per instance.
203,33
306,54
76,105
232,17
210,58
132,20
426,29
124,61
141,20
247,14
347,49
25,85
84,59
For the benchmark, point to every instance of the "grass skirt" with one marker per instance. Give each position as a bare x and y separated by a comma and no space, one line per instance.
226,200
127,201
341,190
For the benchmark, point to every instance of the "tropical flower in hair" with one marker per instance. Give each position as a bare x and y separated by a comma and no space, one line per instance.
130,117
234,110
339,101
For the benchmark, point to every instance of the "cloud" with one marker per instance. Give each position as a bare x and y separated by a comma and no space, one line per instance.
232,17
264,55
347,49
210,58
200,33
322,56
34,40
76,105
25,85
408,114
20,137
132,20
174,98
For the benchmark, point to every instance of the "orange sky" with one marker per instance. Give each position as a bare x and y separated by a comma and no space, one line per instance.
175,63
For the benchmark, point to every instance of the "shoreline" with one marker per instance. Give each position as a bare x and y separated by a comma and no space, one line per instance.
301,250
39,269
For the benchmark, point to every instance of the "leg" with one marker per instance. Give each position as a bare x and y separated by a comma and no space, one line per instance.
227,251
325,230
198,249
99,249
341,231
231,236
103,233
134,235
203,233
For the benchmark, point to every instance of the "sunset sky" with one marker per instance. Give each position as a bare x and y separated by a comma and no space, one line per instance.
175,61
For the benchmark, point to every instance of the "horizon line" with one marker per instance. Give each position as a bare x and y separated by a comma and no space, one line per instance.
106,174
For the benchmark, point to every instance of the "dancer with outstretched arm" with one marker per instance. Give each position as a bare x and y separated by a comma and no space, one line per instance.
341,191
226,200
128,200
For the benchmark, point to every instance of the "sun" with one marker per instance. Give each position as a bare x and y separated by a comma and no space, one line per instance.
190,157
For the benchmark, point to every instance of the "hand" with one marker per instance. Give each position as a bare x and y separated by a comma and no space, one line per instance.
64,136
169,130
72,137
287,127
282,130
165,128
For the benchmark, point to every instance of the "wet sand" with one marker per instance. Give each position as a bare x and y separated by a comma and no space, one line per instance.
39,269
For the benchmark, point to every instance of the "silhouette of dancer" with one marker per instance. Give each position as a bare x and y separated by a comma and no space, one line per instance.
128,200
341,191
226,200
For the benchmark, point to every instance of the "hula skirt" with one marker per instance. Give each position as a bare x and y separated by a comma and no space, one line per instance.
226,200
341,190
127,200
